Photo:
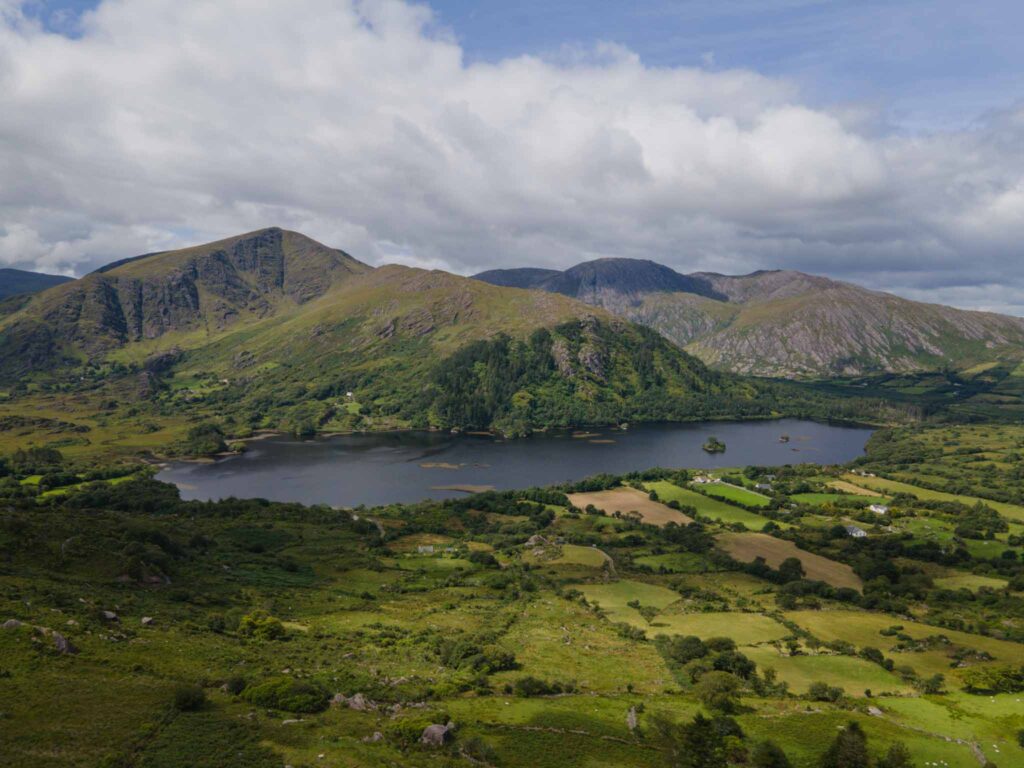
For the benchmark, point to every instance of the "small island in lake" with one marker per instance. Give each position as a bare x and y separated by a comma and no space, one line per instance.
783,438
713,445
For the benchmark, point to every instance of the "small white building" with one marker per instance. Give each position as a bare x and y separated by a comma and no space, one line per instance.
763,486
879,509
425,549
855,532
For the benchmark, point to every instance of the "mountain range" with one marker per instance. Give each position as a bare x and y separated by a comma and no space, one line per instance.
781,323
272,329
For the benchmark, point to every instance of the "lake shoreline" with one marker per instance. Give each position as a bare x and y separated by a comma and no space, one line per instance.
403,465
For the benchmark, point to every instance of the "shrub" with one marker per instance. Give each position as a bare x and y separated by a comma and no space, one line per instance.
533,686
768,754
189,698
824,692
261,625
204,440
719,691
287,694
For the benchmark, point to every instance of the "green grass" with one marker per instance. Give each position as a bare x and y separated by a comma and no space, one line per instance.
1012,511
851,674
675,562
590,557
744,628
613,598
821,499
705,506
735,493
863,630
969,581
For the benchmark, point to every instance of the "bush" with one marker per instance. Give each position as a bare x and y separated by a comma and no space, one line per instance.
287,694
533,686
189,698
261,625
204,440
768,754
485,559
719,691
824,692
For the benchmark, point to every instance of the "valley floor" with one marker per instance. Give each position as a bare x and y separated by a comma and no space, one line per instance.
560,627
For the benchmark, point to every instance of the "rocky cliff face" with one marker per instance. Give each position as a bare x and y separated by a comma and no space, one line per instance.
788,324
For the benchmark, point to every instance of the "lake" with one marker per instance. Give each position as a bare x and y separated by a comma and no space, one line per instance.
381,468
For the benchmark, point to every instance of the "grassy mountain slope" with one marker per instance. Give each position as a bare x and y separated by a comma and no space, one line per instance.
201,291
790,324
273,330
14,282
433,349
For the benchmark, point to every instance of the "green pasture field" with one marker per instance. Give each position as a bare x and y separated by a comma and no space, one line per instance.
1012,511
744,628
969,581
821,499
675,562
864,630
853,675
705,506
735,493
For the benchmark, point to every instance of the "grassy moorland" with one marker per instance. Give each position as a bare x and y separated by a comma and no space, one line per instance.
140,630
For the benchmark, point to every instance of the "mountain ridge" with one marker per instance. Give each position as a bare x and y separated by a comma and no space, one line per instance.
272,330
789,324
16,282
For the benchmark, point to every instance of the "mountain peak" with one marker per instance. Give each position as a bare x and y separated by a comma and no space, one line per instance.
203,288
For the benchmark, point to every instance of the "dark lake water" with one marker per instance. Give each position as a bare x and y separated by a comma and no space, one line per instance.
411,466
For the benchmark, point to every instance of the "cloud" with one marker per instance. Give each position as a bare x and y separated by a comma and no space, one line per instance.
165,122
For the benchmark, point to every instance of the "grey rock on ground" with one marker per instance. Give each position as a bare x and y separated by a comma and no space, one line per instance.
437,735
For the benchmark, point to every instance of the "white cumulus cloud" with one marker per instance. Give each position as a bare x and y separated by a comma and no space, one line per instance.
168,122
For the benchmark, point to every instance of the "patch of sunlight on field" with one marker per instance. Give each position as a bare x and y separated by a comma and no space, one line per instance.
850,673
744,628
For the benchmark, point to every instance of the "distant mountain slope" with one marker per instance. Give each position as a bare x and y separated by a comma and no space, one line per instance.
202,290
18,281
524,277
272,329
789,324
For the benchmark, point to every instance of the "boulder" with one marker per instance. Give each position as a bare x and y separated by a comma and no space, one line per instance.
110,616
12,624
357,701
63,645
361,704
147,620
377,736
437,735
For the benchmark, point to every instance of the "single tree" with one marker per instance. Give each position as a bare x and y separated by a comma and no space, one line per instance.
849,750
898,756
719,691
697,744
768,754
791,569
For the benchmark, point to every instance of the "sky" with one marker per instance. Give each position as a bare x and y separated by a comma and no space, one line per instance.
877,142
